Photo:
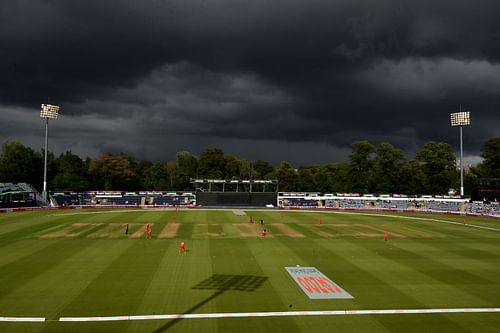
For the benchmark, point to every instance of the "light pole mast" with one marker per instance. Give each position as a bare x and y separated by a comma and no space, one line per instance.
48,111
460,119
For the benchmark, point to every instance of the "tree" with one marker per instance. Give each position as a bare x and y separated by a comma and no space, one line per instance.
412,178
361,166
140,168
71,173
490,167
307,178
381,169
262,169
287,177
387,169
337,177
188,164
438,164
232,168
176,177
187,168
471,185
20,164
211,164
156,177
114,171
245,171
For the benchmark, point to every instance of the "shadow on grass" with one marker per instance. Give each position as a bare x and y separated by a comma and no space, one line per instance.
220,283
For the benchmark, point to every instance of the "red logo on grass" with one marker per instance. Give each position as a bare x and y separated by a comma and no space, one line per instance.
315,284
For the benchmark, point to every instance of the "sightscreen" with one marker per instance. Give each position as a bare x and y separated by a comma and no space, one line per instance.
251,199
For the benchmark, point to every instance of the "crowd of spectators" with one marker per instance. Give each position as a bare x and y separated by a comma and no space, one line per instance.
29,196
397,203
123,199
482,208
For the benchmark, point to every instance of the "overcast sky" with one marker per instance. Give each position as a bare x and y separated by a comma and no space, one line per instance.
261,79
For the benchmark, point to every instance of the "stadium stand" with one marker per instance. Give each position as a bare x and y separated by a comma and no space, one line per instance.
341,201
395,204
100,198
483,208
353,203
23,195
19,195
300,202
71,199
131,200
169,200
443,206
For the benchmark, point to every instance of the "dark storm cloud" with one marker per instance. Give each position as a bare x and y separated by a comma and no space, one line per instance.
250,77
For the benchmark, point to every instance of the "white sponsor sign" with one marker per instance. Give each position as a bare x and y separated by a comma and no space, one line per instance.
315,284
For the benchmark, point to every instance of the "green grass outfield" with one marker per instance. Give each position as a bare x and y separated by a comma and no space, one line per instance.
80,263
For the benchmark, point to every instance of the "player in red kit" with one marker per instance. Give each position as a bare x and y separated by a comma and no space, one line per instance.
386,236
182,247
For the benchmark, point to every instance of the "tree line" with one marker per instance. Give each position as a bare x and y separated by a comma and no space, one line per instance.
379,169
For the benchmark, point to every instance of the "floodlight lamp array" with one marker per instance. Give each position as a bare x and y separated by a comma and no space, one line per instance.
49,111
460,118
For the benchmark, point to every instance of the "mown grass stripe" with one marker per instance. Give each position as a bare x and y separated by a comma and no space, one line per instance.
468,280
369,286
473,251
25,232
17,250
185,231
54,289
405,274
19,272
129,274
250,286
230,231
305,230
458,275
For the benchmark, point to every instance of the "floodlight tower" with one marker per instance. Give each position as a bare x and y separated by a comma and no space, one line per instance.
48,111
461,118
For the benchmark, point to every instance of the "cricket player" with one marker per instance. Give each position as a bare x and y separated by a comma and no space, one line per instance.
264,232
182,247
149,230
386,236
